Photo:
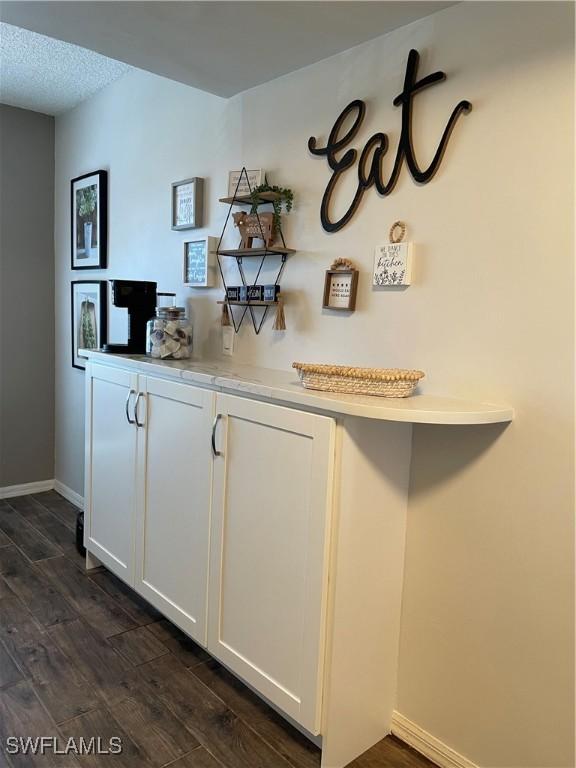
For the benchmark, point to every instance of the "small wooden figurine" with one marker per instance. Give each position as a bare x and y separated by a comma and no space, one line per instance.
255,226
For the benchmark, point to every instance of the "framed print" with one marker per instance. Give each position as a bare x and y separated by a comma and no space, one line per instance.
89,317
393,264
243,182
200,262
89,220
340,286
187,203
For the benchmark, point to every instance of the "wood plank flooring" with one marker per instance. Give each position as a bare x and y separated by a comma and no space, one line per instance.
83,655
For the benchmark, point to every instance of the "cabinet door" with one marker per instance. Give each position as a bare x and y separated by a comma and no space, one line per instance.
110,488
175,472
269,550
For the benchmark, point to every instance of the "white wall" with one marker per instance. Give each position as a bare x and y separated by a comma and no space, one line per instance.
486,651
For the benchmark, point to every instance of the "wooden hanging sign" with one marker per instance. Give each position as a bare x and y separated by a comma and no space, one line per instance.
393,261
341,286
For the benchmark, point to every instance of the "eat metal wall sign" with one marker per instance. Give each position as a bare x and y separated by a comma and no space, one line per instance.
370,163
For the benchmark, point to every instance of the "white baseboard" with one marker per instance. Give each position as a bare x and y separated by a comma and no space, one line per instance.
25,489
69,494
428,745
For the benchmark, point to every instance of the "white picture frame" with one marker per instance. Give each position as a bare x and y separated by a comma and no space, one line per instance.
393,264
245,181
199,265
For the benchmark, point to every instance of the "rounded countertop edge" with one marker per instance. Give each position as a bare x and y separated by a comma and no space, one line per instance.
280,386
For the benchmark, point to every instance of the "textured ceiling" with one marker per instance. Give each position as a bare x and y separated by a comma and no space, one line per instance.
220,47
47,75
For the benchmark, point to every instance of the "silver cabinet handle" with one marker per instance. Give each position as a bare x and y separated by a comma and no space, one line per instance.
214,425
130,421
138,423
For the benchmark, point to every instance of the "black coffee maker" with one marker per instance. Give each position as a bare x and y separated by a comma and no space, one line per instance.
139,298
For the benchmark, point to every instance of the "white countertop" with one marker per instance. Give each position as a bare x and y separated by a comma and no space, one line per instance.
285,387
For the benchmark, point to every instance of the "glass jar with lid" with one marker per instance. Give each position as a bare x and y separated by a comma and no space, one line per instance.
169,334
165,300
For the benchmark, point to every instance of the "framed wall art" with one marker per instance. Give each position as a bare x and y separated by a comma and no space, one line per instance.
393,260
200,262
393,264
187,203
89,317
89,220
243,182
340,286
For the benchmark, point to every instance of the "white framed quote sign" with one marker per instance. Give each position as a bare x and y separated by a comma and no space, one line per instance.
200,263
393,264
244,181
393,260
187,203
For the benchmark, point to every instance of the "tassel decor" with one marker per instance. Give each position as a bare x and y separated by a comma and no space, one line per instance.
280,321
225,318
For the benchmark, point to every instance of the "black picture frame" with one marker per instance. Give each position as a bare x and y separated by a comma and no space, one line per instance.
96,257
101,317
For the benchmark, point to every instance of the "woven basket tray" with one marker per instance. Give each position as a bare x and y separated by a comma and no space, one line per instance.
383,382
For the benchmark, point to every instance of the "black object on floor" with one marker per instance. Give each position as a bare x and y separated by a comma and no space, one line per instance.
80,534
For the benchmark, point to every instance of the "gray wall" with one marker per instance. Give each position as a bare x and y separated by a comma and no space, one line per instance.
26,296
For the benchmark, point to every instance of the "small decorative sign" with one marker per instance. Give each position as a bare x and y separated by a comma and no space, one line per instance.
243,182
393,261
340,286
199,262
271,292
187,203
233,293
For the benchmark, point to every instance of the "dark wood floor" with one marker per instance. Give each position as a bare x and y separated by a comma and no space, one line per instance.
83,655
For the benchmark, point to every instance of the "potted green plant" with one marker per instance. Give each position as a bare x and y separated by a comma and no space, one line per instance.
284,200
86,207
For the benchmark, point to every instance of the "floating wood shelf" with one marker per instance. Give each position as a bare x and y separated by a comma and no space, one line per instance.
273,251
250,303
263,197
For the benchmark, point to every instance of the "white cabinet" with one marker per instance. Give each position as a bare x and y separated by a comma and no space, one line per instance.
271,535
174,497
174,484
110,487
269,550
148,484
